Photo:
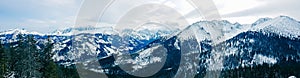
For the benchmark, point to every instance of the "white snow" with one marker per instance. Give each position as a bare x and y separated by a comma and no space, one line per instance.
87,29
145,58
283,25
292,77
97,70
218,31
251,40
194,31
261,59
15,32
215,62
148,32
202,30
176,44
231,51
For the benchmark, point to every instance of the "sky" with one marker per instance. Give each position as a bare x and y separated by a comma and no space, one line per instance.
48,15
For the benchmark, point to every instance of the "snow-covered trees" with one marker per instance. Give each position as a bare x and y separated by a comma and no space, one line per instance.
27,64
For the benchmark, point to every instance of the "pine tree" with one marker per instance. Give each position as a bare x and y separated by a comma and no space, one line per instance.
49,69
24,60
27,55
10,60
3,61
33,63
14,56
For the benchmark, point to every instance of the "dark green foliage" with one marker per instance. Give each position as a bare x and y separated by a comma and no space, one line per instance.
23,59
68,71
49,69
281,70
3,61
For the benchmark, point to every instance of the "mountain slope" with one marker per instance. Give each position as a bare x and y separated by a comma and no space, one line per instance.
283,25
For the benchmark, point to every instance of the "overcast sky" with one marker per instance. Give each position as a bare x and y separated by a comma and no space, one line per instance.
48,15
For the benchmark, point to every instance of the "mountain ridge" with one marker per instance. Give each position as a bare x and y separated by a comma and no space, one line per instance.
238,46
227,28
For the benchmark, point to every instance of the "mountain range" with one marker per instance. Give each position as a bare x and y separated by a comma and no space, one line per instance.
195,50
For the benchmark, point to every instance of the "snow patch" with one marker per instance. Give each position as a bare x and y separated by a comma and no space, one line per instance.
261,59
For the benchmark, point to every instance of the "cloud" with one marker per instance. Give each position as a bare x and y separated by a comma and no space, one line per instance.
58,2
271,8
36,21
38,15
56,14
152,13
248,11
121,7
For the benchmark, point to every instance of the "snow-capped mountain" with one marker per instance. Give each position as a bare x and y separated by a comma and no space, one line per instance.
85,29
12,33
80,44
195,50
246,48
261,20
283,25
256,48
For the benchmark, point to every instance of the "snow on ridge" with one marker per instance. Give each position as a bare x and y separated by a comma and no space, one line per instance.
218,30
19,31
261,20
282,25
89,29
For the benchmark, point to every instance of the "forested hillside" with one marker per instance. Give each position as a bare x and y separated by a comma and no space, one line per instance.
24,59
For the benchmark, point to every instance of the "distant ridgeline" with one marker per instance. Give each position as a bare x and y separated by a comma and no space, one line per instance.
270,47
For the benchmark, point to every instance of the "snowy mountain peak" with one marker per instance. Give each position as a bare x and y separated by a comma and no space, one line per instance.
216,30
14,31
152,26
261,20
87,29
286,17
19,31
282,25
215,22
